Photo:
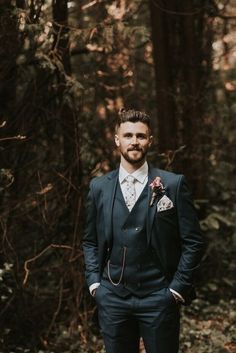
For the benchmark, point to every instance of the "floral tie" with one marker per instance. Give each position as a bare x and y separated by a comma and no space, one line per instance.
130,193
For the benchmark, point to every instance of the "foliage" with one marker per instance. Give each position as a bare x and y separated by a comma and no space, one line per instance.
64,72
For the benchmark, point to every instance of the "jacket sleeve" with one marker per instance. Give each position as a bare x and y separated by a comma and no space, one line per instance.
90,243
192,244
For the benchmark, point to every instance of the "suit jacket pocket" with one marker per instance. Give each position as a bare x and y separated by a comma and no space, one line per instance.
170,211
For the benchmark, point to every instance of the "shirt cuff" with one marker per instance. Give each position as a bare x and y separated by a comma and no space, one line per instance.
177,294
93,286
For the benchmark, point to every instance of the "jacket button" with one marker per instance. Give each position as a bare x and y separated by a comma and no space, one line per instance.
137,229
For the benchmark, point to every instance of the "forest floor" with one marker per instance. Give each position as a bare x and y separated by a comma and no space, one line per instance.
209,328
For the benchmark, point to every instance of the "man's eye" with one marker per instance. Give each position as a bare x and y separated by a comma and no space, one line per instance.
128,135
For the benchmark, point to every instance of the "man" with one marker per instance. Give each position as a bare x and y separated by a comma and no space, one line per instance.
142,245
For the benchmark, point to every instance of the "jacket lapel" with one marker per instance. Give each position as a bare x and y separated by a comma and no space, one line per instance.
152,174
108,201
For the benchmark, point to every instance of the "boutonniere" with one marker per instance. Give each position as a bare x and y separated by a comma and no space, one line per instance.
157,189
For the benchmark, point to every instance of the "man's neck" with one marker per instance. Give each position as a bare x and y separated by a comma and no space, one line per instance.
131,168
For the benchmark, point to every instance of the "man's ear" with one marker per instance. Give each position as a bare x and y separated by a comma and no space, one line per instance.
117,141
150,140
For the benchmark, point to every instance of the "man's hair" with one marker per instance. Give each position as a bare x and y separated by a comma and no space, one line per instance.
132,116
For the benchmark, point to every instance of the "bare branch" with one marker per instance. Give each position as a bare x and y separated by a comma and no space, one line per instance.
58,307
90,4
55,246
18,137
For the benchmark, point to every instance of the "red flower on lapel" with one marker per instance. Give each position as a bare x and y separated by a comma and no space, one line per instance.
157,189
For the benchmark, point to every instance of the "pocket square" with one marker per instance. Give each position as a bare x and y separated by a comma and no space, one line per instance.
164,204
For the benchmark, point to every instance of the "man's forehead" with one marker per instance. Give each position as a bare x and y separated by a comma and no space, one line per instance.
133,127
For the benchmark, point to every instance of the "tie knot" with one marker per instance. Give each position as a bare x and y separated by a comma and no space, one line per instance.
130,179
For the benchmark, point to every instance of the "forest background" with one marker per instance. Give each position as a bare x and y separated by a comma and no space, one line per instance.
66,67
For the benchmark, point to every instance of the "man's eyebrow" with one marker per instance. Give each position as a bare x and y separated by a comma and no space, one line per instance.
137,133
128,133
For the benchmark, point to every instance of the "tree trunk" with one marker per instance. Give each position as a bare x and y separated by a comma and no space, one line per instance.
162,37
68,110
182,54
8,55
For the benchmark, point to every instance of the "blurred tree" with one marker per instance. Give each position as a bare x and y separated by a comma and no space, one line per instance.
41,209
182,39
66,68
68,108
8,54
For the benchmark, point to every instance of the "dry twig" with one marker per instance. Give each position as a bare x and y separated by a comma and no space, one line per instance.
27,271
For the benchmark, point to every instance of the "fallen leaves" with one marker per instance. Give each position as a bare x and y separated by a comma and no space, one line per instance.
209,327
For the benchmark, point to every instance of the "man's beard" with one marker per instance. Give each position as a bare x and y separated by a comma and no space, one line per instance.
134,160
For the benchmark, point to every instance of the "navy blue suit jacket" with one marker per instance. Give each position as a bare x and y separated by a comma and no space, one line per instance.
174,234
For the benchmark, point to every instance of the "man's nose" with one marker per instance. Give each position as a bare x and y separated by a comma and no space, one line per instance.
134,140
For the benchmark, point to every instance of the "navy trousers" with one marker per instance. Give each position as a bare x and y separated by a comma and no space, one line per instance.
123,321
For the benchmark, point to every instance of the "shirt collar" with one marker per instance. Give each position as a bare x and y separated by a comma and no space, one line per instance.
139,174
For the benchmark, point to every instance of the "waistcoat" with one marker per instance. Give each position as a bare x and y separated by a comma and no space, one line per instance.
134,268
